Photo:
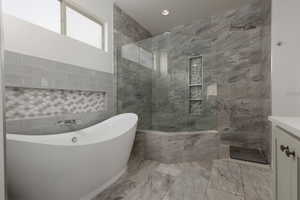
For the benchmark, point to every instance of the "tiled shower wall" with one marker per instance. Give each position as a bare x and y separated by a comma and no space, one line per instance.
133,80
236,55
41,92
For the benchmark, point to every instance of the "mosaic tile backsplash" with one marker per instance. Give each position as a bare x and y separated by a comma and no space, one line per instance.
28,103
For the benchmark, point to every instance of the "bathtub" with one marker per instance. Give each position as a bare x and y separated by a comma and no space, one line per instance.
69,166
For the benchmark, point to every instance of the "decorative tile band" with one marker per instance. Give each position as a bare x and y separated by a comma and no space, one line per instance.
28,103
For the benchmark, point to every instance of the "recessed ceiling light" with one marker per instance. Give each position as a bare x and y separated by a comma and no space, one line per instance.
165,12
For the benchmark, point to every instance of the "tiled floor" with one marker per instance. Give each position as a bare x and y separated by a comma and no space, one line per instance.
222,180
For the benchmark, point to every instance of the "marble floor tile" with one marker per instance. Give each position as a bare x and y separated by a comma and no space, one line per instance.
131,181
155,187
212,194
257,182
225,180
171,169
144,169
189,185
226,176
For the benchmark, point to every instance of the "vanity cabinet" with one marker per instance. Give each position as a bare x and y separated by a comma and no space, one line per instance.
285,164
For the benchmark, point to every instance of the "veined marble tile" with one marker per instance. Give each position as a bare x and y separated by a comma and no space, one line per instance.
257,182
155,187
226,176
191,184
227,180
171,170
136,175
213,194
144,169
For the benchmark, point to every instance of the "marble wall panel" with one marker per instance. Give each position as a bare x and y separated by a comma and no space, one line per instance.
174,147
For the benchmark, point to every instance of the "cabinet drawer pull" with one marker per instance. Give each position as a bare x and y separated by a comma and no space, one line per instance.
284,148
290,153
279,43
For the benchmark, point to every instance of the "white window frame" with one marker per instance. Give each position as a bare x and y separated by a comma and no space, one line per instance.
64,4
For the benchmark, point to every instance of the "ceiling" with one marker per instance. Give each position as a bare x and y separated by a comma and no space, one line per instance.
148,12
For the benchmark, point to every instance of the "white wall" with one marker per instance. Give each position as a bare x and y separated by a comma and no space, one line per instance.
286,58
29,39
2,126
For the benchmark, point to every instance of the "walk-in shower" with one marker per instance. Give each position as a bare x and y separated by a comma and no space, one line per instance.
177,78
209,74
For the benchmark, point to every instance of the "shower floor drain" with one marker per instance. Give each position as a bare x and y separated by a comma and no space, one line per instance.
246,154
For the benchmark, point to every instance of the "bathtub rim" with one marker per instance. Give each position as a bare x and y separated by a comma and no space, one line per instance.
38,139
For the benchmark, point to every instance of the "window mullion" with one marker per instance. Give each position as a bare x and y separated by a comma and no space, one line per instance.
63,16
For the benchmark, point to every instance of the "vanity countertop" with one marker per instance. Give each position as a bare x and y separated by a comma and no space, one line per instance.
290,124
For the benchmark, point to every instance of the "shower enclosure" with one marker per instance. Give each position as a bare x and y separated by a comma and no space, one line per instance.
210,74
172,69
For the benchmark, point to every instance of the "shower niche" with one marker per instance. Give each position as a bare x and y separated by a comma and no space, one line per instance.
195,84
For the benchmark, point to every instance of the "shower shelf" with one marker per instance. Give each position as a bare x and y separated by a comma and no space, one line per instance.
195,85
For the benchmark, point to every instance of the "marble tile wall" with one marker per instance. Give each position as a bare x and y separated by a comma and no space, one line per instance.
175,147
32,80
132,73
236,61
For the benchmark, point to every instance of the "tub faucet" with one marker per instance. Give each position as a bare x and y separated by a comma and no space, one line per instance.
67,122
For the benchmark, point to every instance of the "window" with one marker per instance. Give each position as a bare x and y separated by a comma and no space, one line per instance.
42,13
59,16
83,28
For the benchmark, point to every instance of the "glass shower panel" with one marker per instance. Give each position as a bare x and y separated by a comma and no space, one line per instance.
180,100
134,65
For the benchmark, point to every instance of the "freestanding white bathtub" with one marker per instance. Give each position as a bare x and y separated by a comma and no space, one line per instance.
70,166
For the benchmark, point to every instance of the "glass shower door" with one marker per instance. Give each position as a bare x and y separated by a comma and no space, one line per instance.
183,85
